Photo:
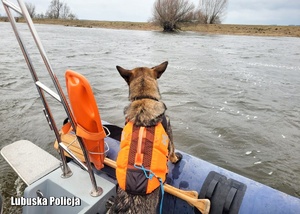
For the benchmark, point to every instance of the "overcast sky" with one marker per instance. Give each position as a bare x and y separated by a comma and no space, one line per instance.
264,12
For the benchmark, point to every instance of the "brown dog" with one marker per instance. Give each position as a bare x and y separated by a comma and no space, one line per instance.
145,110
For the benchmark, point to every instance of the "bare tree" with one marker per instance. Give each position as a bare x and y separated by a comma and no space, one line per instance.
200,17
72,16
54,9
40,16
170,13
65,11
31,9
211,11
59,10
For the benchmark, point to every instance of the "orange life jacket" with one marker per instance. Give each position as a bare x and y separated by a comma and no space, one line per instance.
146,147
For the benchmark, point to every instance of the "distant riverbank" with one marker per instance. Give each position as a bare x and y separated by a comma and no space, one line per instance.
226,29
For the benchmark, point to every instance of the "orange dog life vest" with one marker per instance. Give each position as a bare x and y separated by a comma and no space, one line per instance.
146,147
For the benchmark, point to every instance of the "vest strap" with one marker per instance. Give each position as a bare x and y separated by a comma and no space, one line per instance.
85,134
82,132
150,176
66,128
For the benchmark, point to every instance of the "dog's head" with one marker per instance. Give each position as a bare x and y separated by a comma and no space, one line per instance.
143,72
142,80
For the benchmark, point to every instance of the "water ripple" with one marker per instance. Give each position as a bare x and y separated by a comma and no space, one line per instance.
227,98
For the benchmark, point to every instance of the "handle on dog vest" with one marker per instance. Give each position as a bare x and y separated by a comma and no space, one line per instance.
139,155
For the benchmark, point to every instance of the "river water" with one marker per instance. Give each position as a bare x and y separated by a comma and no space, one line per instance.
232,100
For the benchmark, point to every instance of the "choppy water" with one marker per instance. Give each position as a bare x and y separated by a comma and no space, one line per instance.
233,100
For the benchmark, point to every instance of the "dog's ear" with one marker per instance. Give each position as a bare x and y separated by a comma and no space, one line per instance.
159,69
124,73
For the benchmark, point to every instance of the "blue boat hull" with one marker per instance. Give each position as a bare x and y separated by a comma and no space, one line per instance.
258,198
191,173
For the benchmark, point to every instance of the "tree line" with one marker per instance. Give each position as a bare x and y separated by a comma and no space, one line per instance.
56,10
170,14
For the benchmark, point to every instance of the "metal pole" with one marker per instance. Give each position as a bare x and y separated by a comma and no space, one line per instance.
65,168
96,191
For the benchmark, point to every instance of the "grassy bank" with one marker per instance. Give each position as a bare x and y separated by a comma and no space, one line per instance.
228,29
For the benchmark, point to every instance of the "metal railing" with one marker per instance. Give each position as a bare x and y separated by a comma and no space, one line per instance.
41,88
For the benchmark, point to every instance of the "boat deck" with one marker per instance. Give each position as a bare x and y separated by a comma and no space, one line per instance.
29,161
47,189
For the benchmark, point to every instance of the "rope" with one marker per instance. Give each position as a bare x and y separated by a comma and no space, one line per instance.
162,195
150,176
